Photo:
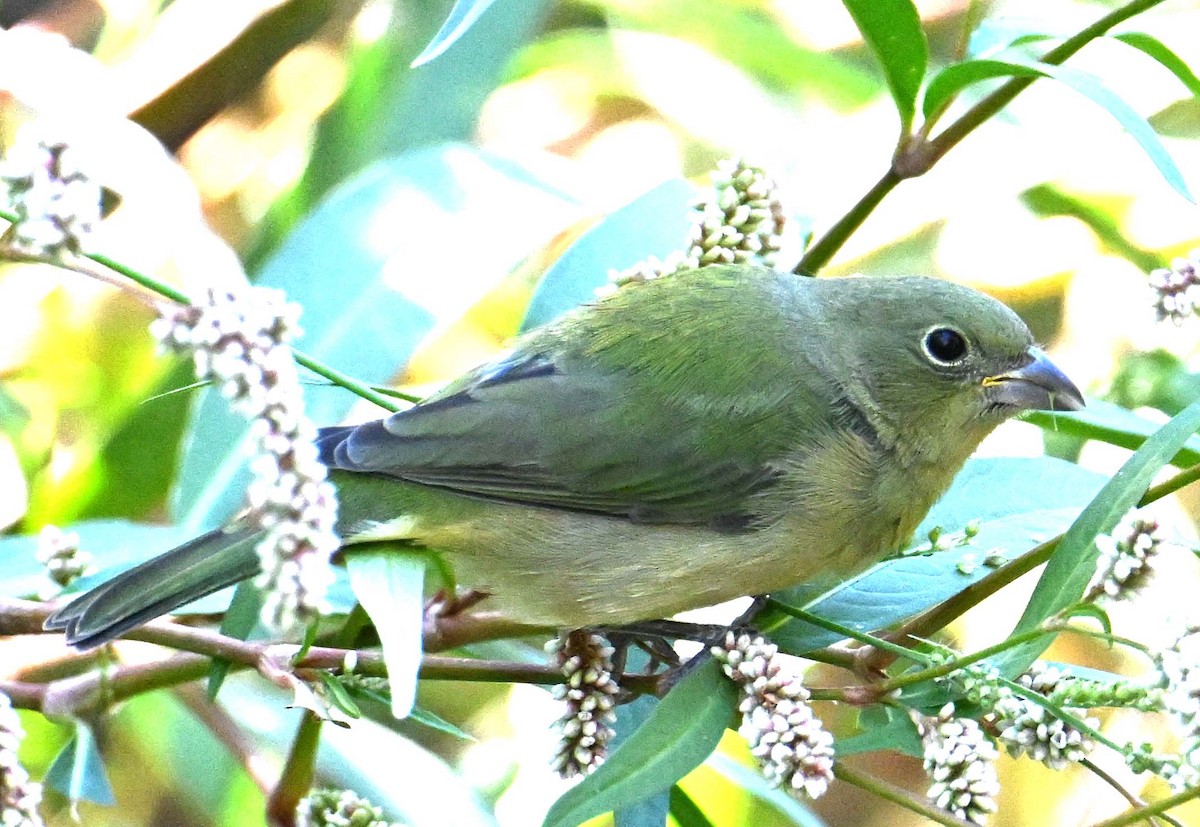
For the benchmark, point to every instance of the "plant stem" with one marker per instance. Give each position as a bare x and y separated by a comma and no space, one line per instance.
1163,489
1145,813
993,103
166,291
941,670
1133,800
1058,712
918,156
298,773
847,632
819,254
942,614
897,795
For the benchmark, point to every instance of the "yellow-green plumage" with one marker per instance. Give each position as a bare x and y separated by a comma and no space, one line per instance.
722,432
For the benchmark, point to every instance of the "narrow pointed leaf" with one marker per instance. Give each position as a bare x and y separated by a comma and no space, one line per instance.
892,28
238,622
462,17
389,582
682,731
1158,50
1106,422
78,770
954,78
1071,566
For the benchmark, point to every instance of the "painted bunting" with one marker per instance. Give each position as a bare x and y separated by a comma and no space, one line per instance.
717,433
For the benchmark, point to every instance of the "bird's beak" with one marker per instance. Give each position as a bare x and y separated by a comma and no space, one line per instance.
1038,386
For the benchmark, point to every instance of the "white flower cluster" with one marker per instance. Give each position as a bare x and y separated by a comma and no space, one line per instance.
56,204
791,744
590,694
19,797
742,221
339,808
240,341
1175,293
1124,566
961,761
59,552
1027,728
1180,667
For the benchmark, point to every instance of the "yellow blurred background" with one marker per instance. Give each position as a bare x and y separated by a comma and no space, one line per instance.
222,123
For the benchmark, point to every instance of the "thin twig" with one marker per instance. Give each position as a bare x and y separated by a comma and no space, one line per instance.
1133,800
916,156
897,795
1148,811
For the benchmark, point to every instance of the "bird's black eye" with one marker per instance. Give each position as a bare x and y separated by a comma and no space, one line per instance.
945,345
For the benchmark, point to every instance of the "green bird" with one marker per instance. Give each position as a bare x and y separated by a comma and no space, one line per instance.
721,432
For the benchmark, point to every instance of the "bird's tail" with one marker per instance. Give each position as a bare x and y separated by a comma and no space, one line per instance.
197,568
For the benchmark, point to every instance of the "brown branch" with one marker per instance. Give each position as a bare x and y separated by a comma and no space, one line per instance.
97,689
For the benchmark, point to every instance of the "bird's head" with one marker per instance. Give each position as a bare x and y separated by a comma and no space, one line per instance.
933,363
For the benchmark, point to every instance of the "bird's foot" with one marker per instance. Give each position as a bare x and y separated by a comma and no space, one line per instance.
443,605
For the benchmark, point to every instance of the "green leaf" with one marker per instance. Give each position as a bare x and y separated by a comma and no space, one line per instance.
437,722
685,811
653,224
653,810
339,696
954,78
1158,50
1017,503
1104,218
996,34
418,715
895,732
892,28
78,770
462,17
13,415
361,266
1089,610
1106,422
752,781
389,582
238,622
1072,564
682,731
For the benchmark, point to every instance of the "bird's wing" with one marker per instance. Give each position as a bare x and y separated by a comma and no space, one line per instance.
560,430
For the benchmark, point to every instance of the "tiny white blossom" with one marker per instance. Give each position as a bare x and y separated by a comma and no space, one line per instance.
589,693
19,797
961,762
239,341
59,552
339,808
1175,289
1179,666
57,205
1125,564
793,748
741,220
1027,728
